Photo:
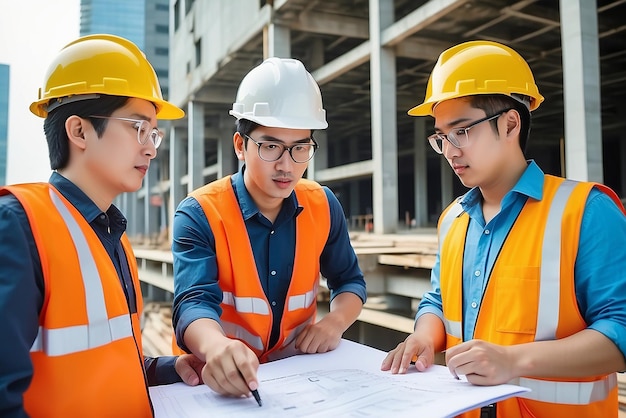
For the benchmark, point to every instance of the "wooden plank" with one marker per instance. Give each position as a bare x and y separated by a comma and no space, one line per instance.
408,260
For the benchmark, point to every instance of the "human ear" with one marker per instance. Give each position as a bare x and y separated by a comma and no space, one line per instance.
513,123
75,130
238,145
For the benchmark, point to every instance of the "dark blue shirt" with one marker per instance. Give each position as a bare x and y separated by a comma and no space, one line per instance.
196,289
22,290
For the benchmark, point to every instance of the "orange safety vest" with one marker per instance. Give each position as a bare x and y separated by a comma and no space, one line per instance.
530,296
87,355
246,313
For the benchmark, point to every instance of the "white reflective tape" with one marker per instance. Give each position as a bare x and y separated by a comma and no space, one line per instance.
94,293
550,279
228,299
452,327
233,330
75,339
246,304
301,301
567,393
454,212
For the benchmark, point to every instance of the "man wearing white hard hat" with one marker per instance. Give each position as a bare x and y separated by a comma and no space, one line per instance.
249,248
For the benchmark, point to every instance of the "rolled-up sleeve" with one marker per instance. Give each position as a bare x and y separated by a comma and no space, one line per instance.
338,262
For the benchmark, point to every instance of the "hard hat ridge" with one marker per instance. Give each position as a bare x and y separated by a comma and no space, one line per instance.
280,93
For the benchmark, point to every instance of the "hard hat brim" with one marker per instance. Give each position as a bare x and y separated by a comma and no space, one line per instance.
282,122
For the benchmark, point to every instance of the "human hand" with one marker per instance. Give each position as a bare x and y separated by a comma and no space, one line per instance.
413,348
189,368
320,337
231,368
481,362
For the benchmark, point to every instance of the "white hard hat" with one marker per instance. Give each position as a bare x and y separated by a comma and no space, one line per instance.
280,93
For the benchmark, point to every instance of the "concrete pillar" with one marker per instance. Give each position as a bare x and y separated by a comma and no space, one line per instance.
195,149
123,204
276,41
447,193
151,218
177,193
581,90
136,209
320,159
420,148
384,134
226,162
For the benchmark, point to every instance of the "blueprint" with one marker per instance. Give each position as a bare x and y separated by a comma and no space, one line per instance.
290,387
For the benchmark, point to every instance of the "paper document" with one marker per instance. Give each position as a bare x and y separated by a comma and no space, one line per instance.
346,382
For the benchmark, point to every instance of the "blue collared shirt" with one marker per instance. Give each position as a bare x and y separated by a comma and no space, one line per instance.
196,290
22,290
600,264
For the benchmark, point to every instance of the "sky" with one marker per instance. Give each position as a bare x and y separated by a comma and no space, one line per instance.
32,32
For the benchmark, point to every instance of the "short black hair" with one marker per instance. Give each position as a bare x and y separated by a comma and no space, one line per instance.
54,124
246,126
497,102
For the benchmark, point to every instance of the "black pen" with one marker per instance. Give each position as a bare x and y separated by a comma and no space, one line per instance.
256,395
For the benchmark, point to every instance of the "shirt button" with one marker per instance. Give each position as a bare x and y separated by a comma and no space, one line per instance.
477,273
273,303
487,232
272,233
103,216
273,272
474,305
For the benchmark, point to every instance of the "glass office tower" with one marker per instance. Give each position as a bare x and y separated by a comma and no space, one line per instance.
4,120
145,22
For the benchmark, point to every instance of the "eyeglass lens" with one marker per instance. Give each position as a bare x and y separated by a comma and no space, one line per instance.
300,153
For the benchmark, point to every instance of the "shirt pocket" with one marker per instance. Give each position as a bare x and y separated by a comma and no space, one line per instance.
517,299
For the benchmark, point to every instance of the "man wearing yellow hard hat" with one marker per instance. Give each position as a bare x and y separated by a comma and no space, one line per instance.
70,300
528,284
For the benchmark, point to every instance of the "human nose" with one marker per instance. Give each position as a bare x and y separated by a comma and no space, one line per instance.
285,155
449,150
150,149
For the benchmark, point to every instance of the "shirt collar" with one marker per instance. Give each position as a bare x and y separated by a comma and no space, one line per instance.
247,205
530,184
87,208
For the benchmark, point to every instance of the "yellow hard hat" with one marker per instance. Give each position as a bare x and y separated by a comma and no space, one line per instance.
101,64
478,67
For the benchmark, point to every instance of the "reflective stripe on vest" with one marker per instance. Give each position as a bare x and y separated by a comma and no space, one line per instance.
549,288
452,327
239,332
550,276
251,305
100,330
259,306
569,393
303,301
246,304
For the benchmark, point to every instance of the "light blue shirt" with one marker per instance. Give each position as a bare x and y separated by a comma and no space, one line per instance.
599,272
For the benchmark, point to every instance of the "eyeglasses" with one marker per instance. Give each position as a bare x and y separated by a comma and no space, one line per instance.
144,130
273,151
458,137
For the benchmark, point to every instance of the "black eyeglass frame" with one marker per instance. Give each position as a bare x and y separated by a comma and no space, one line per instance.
313,145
